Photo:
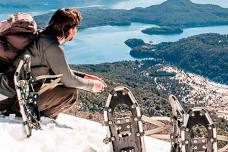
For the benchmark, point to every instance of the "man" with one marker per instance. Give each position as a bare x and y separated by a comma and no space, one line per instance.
47,57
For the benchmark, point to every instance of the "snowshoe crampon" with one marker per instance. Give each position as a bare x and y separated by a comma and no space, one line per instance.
26,95
193,131
123,120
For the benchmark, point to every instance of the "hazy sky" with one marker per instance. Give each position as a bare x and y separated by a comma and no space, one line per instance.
223,3
129,4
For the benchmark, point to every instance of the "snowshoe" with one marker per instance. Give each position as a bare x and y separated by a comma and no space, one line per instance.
193,131
27,97
123,121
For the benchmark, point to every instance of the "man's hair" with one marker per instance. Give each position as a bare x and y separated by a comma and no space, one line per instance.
62,20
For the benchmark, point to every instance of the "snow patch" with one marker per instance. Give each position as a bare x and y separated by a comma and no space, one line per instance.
74,135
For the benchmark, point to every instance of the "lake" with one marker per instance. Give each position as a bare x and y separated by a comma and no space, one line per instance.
106,43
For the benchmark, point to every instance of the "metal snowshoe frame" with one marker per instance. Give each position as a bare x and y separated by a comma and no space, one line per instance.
123,134
26,95
181,123
185,137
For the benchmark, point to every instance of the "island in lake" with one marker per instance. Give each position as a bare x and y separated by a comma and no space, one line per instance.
164,30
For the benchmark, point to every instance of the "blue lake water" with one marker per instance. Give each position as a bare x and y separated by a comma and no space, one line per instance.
106,43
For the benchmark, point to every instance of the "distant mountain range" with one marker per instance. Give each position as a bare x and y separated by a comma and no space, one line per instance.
175,13
13,6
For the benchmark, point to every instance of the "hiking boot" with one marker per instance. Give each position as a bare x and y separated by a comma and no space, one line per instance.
10,106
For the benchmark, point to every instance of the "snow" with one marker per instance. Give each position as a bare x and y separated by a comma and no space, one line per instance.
82,136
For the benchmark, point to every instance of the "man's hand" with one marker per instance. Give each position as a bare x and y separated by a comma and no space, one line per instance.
98,86
93,77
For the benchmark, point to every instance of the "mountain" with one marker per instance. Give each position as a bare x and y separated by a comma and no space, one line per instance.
83,136
152,81
174,13
184,13
13,6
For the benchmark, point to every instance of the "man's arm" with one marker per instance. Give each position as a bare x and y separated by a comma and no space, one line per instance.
89,76
57,62
78,73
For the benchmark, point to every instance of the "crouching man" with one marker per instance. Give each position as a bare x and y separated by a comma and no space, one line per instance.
48,57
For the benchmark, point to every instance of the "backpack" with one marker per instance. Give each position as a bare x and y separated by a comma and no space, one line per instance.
16,33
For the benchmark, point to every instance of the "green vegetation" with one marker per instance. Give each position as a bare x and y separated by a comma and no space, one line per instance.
162,30
134,42
142,52
205,54
131,74
172,13
140,49
139,77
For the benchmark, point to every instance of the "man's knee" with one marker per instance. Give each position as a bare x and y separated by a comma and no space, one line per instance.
73,94
63,99
69,95
65,90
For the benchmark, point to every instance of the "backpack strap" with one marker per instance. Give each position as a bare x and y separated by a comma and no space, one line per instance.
51,85
48,77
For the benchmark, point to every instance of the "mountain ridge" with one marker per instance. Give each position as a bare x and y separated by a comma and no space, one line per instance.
186,14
